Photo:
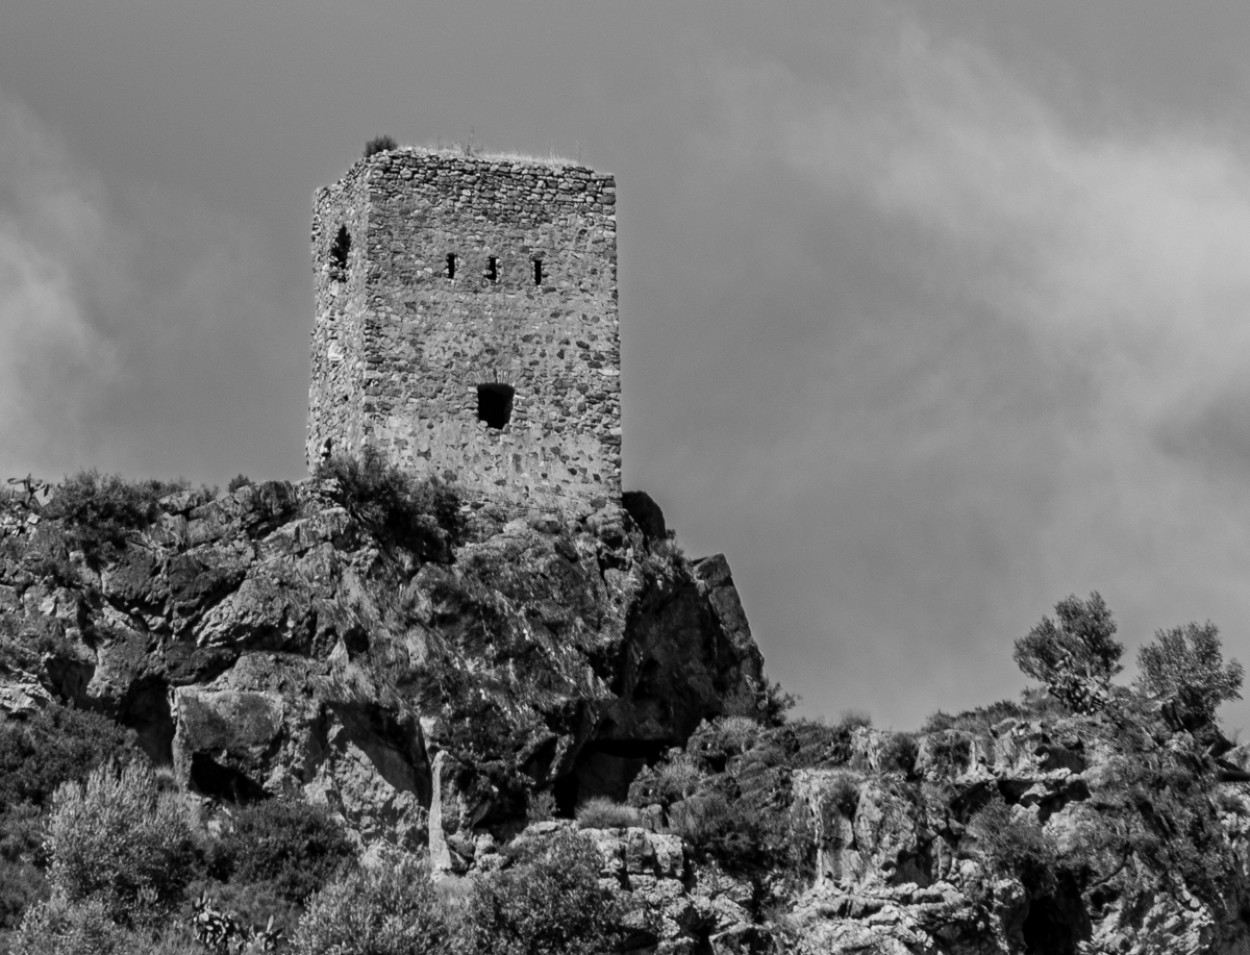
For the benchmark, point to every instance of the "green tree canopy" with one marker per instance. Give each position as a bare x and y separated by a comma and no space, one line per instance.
1187,664
1081,642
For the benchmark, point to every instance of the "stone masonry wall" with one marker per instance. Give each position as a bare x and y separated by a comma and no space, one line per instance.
400,347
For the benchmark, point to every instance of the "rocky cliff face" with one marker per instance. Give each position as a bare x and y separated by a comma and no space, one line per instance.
266,642
271,641
1055,835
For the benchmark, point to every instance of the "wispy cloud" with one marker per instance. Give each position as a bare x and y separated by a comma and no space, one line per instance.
1043,387
137,327
54,362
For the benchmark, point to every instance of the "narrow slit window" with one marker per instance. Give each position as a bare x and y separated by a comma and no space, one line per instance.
451,265
492,269
494,404
338,253
538,271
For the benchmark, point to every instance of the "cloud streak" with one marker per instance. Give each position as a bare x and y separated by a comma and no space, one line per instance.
1044,392
54,362
130,320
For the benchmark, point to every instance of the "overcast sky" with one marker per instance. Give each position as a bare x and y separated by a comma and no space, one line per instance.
933,313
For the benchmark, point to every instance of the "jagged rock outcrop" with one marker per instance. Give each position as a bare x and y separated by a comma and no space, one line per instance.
1064,835
265,641
1056,835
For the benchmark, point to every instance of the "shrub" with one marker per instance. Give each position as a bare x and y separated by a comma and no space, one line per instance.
389,910
717,742
673,779
843,795
61,927
117,839
701,819
773,703
1014,844
550,903
288,844
379,144
238,481
99,511
600,812
25,638
950,752
540,806
810,744
744,832
56,745
1033,705
1186,664
22,882
899,753
851,720
420,515
38,754
1170,819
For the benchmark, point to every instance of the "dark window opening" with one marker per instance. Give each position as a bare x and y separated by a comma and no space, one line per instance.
492,269
538,271
338,253
494,404
451,265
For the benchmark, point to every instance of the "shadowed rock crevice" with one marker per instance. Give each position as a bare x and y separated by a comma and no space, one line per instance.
1056,922
209,778
145,709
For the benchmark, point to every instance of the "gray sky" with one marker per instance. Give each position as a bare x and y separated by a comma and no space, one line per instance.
933,313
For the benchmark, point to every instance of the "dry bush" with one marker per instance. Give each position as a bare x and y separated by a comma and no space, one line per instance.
380,144
117,839
550,903
99,511
600,812
61,927
388,910
422,516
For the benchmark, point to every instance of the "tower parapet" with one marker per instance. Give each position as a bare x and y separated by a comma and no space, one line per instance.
467,324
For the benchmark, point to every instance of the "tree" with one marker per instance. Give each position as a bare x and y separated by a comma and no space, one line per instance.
1187,664
1075,657
1082,640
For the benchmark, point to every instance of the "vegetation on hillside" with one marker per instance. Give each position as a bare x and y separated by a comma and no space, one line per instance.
97,511
99,853
420,515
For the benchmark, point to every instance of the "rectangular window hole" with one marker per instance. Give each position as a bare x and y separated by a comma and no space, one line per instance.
492,269
494,404
451,265
339,251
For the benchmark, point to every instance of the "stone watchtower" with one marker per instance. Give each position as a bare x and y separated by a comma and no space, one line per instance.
467,324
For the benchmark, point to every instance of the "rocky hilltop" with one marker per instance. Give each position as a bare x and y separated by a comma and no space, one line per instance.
270,641
465,682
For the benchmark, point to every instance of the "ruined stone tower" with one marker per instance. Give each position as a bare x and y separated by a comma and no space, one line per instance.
467,324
